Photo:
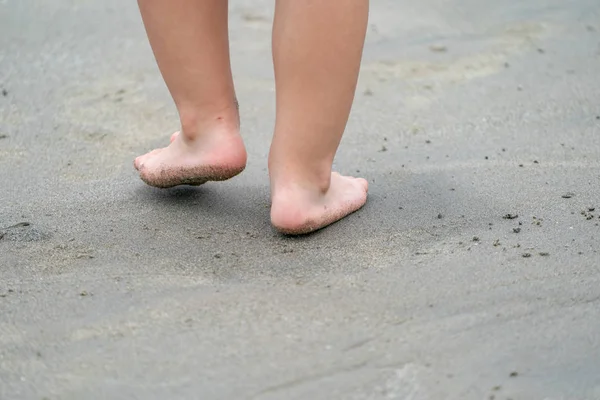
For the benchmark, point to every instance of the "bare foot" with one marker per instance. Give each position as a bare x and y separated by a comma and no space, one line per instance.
139,160
299,211
214,157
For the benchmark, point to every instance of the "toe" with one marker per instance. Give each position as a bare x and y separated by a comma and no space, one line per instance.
139,162
364,183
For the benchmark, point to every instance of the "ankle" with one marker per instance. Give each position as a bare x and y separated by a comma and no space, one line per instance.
196,123
301,181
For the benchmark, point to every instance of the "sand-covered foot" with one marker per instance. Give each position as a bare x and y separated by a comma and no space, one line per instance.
214,157
296,210
139,160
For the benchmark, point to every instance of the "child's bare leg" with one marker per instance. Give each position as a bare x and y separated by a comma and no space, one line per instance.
190,42
317,48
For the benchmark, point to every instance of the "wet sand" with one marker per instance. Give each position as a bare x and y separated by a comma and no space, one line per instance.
472,273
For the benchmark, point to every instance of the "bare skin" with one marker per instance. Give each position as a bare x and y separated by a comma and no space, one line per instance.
190,42
215,157
317,48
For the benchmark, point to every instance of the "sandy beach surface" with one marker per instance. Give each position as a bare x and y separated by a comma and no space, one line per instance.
472,273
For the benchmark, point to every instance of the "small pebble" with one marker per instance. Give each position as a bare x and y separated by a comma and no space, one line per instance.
438,48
